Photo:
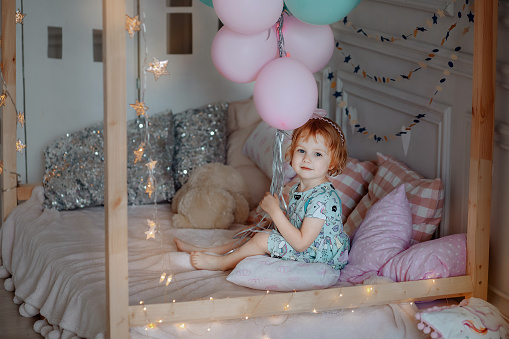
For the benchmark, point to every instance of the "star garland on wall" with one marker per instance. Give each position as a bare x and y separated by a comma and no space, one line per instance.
430,22
357,69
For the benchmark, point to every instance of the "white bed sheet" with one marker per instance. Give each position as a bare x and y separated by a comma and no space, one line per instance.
55,261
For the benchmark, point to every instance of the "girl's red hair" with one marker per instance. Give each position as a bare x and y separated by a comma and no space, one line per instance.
334,140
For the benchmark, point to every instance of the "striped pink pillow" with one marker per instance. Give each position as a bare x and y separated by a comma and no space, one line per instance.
353,183
426,197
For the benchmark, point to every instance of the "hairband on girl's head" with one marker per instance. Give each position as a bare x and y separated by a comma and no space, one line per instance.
320,114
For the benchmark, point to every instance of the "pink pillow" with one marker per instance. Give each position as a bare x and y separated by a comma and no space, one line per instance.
384,233
438,258
426,197
259,148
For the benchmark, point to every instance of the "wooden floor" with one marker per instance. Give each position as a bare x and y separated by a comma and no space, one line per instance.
12,324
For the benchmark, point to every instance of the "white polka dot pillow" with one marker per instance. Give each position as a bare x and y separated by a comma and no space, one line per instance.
384,233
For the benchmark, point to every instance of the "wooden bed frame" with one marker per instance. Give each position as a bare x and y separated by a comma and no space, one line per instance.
121,316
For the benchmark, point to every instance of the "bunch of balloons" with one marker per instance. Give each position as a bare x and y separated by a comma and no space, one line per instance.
246,49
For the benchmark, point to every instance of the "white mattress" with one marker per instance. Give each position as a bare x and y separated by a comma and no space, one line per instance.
55,263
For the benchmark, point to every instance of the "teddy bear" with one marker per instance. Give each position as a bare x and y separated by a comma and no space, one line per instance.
215,196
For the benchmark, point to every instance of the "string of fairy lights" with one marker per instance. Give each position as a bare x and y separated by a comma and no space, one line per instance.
158,69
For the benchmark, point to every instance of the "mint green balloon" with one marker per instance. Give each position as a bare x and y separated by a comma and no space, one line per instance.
320,12
207,2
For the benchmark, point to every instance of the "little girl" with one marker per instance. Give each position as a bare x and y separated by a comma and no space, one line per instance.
312,231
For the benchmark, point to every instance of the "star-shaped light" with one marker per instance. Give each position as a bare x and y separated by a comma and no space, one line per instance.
158,68
132,25
1,167
19,146
139,152
2,98
151,164
151,224
150,187
151,233
140,108
21,118
19,17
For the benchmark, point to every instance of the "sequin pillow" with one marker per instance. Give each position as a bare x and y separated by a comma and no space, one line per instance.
200,138
74,170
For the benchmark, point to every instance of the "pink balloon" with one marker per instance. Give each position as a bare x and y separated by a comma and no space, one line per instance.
248,16
285,93
240,57
312,45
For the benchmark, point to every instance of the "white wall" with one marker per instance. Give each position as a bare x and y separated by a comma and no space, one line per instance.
440,144
63,95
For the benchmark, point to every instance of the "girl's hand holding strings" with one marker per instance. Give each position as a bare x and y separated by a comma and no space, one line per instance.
270,204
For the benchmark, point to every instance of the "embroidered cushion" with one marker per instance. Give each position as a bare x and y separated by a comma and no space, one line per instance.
265,273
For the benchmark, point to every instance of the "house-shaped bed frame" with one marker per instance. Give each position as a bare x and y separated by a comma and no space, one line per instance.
121,316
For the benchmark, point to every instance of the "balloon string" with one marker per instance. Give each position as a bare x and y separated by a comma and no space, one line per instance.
276,187
280,38
278,175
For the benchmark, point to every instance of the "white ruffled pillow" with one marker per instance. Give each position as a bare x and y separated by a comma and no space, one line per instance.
259,148
262,272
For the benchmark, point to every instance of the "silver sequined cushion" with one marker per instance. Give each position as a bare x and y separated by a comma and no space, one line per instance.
74,176
200,138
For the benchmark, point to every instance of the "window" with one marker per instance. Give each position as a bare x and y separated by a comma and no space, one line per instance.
179,27
97,40
179,3
55,42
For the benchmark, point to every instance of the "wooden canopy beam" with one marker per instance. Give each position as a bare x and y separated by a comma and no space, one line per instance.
8,123
481,144
115,171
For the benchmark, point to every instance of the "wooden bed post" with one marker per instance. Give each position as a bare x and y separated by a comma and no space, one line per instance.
115,182
9,178
481,145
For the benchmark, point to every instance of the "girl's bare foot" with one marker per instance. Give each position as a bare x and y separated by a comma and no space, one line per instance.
202,261
183,246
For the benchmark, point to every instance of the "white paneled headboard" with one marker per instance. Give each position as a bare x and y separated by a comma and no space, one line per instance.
366,109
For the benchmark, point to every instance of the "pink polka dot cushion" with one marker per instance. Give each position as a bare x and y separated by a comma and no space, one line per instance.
384,233
438,258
